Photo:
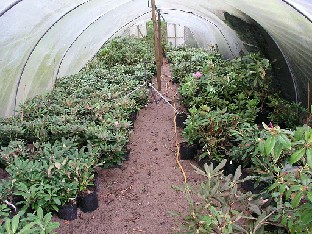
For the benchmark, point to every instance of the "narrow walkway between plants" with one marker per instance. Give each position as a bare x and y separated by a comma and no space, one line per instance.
138,197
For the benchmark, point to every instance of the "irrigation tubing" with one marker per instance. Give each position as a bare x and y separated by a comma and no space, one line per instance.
162,97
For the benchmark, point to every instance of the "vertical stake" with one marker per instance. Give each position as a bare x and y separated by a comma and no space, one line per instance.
159,49
158,65
175,35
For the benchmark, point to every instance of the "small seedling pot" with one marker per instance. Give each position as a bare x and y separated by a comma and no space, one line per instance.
230,168
133,116
127,154
180,119
187,152
251,185
68,211
88,201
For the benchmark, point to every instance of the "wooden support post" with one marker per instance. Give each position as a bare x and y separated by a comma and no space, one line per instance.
160,52
156,43
160,38
175,35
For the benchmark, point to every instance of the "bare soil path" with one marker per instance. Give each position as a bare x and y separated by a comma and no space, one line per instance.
138,197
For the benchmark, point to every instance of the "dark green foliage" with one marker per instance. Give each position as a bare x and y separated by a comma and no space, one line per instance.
53,145
240,87
234,113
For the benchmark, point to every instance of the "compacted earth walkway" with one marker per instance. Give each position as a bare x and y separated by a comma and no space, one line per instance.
138,197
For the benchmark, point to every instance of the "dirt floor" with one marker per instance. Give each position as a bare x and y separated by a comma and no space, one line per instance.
138,197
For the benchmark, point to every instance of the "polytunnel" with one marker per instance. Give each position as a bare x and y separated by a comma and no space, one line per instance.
41,41
155,116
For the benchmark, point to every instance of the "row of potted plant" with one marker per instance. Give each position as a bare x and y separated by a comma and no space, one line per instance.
234,113
51,148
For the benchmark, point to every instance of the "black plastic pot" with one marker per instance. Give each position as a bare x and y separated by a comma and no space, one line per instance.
230,167
252,185
127,154
2,166
187,152
180,119
68,212
88,201
133,116
17,199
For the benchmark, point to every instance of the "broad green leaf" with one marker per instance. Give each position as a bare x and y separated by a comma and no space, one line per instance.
308,136
15,222
220,166
55,207
269,145
306,216
282,188
299,133
47,218
309,196
295,157
295,188
285,141
57,201
254,208
295,202
261,146
8,225
40,213
27,228
309,157
273,186
277,151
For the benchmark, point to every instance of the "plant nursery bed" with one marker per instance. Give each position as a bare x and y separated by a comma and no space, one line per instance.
138,197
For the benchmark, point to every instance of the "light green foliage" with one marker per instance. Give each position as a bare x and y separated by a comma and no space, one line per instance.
92,99
245,141
51,175
53,145
190,60
236,92
225,101
289,114
285,157
211,129
218,206
37,223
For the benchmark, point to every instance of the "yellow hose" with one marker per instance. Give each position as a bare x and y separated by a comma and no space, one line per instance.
178,147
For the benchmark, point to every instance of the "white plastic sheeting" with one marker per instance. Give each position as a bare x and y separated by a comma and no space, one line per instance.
41,40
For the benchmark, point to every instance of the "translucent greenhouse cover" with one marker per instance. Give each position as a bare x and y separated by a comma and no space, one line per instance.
43,40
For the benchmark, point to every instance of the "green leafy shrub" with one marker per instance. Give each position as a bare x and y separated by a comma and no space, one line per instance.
215,206
211,129
37,223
